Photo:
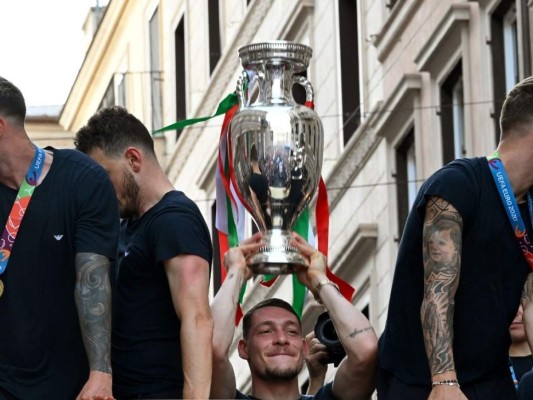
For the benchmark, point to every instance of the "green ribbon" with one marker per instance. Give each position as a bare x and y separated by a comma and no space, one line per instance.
229,101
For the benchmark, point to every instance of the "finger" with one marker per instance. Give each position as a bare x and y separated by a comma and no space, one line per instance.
250,249
256,237
297,237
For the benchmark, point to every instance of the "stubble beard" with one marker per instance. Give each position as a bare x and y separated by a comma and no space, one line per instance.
131,195
283,373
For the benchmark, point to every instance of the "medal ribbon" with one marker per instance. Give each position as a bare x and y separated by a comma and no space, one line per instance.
19,207
511,207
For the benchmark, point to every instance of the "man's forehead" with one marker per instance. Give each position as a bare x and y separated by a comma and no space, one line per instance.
273,315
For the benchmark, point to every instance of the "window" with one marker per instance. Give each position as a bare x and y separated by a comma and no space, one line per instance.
120,80
155,72
406,188
109,96
181,93
214,33
115,93
349,51
452,115
510,50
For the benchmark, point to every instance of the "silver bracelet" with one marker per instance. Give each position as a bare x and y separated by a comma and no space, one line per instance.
448,382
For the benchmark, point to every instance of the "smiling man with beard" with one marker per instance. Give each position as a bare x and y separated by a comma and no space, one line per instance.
273,343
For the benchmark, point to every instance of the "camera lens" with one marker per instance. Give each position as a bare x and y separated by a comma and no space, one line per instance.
327,335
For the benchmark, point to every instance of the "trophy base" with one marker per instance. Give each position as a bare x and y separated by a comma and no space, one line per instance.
276,261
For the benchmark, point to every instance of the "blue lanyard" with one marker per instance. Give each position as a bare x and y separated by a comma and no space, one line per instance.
513,375
511,207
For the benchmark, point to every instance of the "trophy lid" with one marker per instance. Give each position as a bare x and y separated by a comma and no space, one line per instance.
276,50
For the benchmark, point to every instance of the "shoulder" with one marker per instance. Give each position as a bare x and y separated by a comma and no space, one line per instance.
176,204
76,163
459,183
466,169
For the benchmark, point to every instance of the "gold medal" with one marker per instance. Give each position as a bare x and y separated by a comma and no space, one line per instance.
1,288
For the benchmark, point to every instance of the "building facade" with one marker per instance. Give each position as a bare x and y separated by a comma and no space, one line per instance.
402,87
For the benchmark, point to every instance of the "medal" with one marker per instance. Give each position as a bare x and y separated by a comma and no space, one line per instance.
1,288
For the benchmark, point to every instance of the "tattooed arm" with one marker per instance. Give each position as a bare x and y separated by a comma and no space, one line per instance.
355,376
442,243
527,305
93,301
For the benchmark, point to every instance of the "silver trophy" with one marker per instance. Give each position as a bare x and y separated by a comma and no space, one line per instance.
276,148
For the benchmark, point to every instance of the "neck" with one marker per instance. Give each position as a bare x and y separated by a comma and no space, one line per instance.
14,164
519,349
517,162
275,390
153,188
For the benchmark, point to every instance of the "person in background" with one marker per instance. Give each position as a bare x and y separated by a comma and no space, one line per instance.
520,358
162,326
463,263
60,233
272,342
314,361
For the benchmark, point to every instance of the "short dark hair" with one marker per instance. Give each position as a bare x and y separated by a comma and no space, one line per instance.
517,108
274,302
12,102
113,129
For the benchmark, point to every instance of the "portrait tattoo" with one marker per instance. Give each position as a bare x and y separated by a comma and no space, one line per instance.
442,244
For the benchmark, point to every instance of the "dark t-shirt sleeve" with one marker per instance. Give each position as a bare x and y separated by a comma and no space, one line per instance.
98,221
180,231
457,184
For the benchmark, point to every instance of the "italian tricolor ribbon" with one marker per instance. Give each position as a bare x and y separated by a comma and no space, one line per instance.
230,209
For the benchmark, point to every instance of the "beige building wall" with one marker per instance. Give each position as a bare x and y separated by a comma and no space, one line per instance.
408,53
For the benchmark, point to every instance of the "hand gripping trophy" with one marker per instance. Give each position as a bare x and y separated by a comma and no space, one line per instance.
276,148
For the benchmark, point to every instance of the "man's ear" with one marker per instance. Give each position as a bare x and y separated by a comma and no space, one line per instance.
243,349
3,123
134,158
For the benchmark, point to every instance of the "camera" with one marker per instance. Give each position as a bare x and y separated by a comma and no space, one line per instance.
327,335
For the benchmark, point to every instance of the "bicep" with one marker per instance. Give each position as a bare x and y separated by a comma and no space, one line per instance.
188,278
442,239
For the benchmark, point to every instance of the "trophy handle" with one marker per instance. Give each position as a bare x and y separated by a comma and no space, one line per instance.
241,90
309,92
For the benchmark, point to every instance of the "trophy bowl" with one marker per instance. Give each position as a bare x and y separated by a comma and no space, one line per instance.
276,149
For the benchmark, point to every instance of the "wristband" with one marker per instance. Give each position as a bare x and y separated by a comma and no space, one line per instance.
322,284
448,382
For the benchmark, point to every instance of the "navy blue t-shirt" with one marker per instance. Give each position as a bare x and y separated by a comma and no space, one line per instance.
493,273
73,210
146,352
324,393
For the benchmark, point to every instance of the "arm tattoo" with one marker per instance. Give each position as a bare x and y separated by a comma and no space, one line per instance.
93,301
358,331
527,292
442,243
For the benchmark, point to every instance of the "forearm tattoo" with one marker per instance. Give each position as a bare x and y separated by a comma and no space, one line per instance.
442,243
358,331
93,300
